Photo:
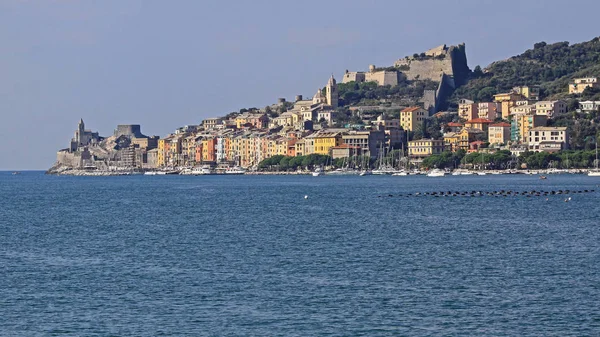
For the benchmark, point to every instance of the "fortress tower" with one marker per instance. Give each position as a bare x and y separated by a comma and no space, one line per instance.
331,92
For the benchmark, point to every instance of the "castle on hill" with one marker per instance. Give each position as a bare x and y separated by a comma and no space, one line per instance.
442,63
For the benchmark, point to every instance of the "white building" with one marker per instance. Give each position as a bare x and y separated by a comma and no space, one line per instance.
589,106
548,139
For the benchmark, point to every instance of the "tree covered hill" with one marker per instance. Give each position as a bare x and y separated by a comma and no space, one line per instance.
551,66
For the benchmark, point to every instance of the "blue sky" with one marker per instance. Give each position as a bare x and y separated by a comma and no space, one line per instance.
163,64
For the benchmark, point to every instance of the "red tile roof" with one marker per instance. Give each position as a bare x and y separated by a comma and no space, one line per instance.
454,124
411,109
501,124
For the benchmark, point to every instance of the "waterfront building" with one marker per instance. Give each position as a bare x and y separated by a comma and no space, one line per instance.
451,141
468,135
499,133
323,140
548,139
422,148
369,141
345,151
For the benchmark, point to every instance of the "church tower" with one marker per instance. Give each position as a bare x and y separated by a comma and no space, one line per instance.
332,92
80,132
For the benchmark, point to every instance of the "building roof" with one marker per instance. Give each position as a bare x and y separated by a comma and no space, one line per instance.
479,120
502,124
454,124
549,128
412,109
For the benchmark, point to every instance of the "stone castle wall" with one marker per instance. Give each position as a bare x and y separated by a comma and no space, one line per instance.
451,61
130,130
70,159
431,69
382,77
353,76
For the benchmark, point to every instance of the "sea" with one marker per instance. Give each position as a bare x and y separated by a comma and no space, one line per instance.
299,256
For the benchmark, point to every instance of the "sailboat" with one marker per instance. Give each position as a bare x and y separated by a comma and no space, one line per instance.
481,173
595,172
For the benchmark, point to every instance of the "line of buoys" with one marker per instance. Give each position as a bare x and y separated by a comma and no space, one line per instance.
500,193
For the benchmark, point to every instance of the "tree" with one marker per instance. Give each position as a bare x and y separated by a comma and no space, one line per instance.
477,72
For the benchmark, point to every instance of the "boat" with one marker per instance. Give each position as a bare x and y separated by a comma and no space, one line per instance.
203,170
436,173
543,177
235,170
318,172
366,173
481,173
150,173
16,173
595,172
400,173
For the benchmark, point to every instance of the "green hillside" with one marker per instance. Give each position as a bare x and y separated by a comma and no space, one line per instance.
551,66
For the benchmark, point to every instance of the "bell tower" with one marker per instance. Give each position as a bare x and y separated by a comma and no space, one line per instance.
332,92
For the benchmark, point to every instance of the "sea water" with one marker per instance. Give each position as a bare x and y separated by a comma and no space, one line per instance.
250,255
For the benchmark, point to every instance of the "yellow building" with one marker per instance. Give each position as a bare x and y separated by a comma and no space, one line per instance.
468,135
532,93
412,118
451,141
425,147
507,96
299,147
468,110
324,140
163,148
521,123
579,84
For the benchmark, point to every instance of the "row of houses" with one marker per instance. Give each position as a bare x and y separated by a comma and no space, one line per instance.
251,143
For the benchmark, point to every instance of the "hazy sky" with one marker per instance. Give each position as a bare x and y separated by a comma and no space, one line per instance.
164,64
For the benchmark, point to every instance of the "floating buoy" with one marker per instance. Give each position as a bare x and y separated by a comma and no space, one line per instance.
306,197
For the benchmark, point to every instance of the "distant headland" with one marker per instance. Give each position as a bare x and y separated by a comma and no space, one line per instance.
425,111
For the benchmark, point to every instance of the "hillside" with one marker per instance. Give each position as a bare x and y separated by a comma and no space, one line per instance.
551,66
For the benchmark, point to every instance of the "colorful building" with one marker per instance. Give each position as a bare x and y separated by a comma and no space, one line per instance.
521,124
580,84
499,133
412,118
425,147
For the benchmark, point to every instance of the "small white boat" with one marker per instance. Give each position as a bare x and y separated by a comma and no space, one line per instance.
150,173
436,173
366,173
203,170
400,174
318,172
481,173
235,170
